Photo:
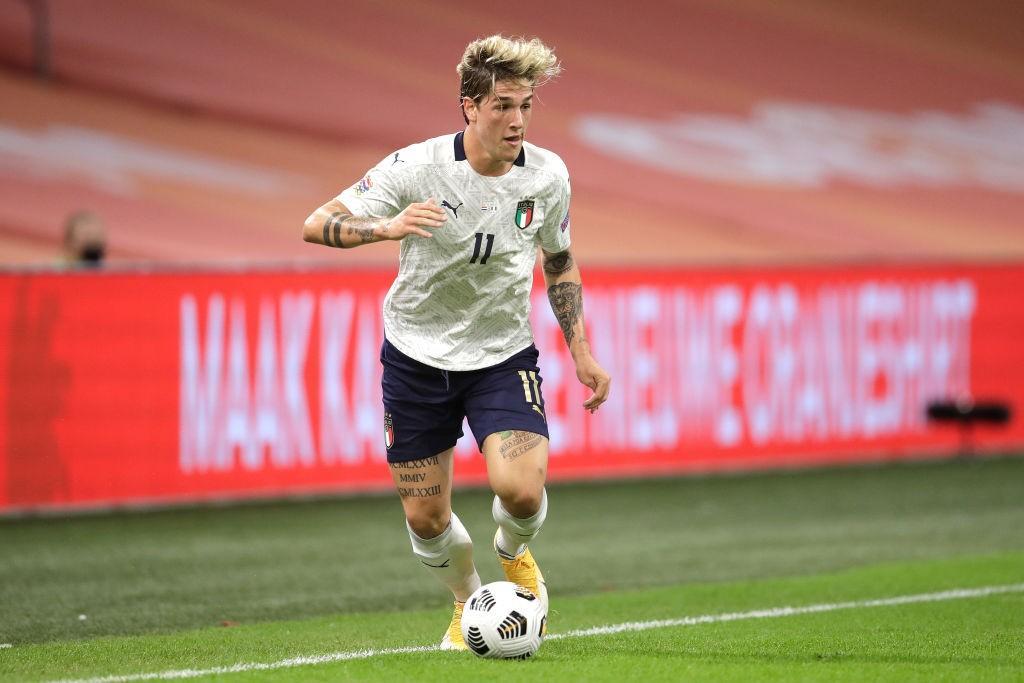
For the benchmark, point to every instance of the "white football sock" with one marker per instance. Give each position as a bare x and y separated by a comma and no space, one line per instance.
515,533
449,557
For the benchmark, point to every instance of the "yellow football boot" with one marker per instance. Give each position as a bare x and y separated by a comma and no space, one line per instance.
452,639
523,570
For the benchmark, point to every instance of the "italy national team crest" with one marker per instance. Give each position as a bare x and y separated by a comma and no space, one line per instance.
389,431
524,213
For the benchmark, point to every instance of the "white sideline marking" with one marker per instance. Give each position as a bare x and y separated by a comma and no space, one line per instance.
771,613
4,646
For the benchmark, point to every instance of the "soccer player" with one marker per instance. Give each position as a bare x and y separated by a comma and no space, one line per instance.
471,208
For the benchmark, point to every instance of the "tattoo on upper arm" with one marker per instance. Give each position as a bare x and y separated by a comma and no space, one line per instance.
556,264
567,303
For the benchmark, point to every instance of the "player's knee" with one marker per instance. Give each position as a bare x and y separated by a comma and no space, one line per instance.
521,502
428,522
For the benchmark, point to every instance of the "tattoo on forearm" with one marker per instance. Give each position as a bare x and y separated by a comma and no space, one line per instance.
567,303
360,227
363,231
516,443
327,228
333,223
556,264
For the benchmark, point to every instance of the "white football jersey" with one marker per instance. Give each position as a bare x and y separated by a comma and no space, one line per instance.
461,300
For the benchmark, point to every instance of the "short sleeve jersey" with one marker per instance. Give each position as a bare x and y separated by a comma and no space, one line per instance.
461,300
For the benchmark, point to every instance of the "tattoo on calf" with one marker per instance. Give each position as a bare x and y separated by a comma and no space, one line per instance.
515,444
556,264
567,303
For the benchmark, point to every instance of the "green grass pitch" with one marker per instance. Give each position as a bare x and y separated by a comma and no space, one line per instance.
299,591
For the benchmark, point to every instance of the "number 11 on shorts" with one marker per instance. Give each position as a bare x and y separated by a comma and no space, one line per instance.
531,389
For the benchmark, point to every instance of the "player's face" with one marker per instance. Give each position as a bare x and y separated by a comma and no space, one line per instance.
502,118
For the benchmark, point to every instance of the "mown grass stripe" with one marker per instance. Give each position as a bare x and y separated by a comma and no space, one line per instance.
769,613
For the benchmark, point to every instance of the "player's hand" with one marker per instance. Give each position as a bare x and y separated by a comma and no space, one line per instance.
594,376
415,219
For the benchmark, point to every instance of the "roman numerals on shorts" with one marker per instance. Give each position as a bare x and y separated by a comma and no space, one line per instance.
531,390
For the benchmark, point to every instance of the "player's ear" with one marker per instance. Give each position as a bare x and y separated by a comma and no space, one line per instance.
469,109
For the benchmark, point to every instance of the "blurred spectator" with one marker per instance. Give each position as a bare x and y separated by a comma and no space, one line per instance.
85,240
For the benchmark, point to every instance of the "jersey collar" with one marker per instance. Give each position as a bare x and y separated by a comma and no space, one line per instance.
460,151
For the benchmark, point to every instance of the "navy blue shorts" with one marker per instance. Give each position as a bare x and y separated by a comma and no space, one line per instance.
424,407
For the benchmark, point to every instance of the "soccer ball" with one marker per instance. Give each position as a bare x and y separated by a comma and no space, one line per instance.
503,620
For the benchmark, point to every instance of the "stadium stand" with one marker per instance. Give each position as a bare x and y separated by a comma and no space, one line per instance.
696,132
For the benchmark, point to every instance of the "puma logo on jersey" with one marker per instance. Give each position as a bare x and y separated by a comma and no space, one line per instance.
455,209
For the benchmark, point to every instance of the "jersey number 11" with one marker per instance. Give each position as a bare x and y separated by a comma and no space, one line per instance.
479,243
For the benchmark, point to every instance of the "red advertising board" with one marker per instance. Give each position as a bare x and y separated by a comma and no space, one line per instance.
141,388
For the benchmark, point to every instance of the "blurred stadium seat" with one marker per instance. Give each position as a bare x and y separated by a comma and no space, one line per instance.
696,132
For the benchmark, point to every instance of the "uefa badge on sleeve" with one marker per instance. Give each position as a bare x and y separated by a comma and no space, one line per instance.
363,186
389,431
524,214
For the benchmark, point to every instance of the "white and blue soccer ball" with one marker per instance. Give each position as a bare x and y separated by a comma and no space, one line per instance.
503,620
